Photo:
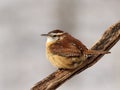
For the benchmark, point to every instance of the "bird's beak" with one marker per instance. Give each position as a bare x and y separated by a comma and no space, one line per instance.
44,34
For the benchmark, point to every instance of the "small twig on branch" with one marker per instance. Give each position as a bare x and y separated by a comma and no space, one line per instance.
110,37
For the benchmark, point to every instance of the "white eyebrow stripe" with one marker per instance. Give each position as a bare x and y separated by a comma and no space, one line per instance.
56,33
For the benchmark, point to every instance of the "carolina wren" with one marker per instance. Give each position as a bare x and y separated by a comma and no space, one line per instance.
65,51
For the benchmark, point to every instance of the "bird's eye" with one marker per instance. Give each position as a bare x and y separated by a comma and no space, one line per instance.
54,35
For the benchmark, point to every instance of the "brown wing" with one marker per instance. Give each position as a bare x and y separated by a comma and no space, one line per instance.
69,46
66,50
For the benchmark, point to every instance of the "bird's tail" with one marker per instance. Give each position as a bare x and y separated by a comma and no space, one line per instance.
96,52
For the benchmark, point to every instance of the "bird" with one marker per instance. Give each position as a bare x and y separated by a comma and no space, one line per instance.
66,52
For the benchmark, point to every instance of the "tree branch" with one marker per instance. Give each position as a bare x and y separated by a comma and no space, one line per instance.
110,37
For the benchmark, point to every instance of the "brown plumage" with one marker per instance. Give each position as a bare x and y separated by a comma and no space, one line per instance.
64,51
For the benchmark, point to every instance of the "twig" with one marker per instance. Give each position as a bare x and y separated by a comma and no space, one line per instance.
110,37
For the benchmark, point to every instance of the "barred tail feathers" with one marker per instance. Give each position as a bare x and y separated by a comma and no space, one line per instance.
96,52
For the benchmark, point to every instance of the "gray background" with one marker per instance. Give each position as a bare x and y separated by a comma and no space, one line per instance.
22,49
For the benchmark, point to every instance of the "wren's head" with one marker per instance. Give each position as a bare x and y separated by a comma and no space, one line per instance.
54,35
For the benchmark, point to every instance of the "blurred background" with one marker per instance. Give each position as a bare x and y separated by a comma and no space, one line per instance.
22,50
